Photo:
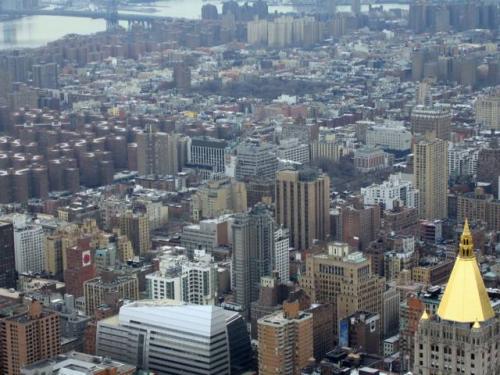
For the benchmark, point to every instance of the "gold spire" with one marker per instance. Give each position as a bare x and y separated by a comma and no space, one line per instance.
424,316
465,299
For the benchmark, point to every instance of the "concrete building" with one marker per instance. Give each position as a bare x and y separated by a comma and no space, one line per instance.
258,247
255,159
206,235
293,150
463,335
488,166
397,191
488,111
369,159
135,225
29,245
157,152
431,121
462,161
207,156
363,329
479,206
431,177
110,289
28,337
389,136
45,76
343,279
7,254
359,224
285,341
180,280
303,205
166,338
218,197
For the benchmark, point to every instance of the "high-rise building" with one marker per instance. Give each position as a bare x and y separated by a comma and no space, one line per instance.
463,335
45,76
434,122
110,289
29,337
488,111
80,267
359,224
208,156
167,338
182,76
488,166
7,255
136,227
294,150
343,279
480,206
356,7
303,205
256,159
285,340
157,152
258,245
180,280
431,177
29,245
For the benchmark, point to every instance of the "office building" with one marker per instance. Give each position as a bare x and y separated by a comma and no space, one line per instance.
434,122
255,159
291,149
258,246
363,329
7,255
369,159
109,289
359,224
431,177
303,205
180,280
206,235
285,340
166,338
479,206
182,76
135,225
397,191
157,152
463,335
488,166
343,279
208,157
28,337
488,111
80,261
218,197
389,136
29,245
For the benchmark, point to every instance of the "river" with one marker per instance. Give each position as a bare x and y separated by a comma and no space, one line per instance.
36,31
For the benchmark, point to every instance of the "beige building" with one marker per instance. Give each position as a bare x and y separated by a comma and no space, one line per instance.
431,121
431,177
218,197
303,205
343,279
285,341
463,336
28,337
157,153
480,206
109,288
488,111
136,227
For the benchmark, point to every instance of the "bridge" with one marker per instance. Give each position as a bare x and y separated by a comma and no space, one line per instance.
111,15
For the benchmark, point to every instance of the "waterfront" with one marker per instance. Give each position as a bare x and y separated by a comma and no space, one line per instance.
36,31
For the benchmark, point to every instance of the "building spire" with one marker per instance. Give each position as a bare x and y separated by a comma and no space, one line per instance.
465,299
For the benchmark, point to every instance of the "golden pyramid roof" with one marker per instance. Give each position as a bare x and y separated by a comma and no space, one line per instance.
424,316
465,299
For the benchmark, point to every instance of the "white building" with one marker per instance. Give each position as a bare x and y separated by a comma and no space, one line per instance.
389,136
180,280
398,189
488,111
280,255
292,149
165,338
462,161
29,245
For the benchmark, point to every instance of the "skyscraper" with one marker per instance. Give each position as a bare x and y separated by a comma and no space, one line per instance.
431,121
343,279
303,205
463,336
45,76
431,177
285,340
29,245
157,152
29,337
7,256
256,159
258,245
